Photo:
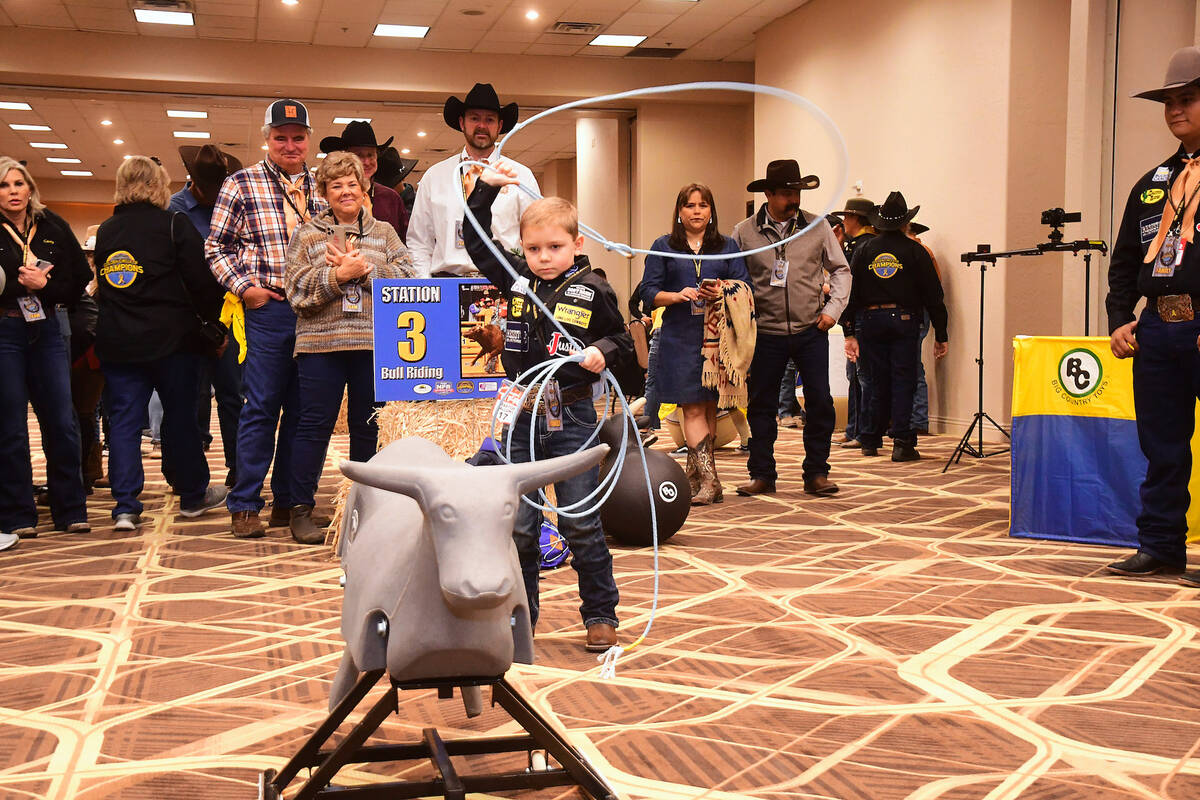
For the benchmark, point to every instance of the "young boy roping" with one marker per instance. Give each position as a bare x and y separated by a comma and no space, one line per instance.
586,306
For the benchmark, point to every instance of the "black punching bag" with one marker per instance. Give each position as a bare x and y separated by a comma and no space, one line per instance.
625,515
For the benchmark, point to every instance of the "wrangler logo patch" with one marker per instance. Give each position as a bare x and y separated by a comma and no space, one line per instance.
573,315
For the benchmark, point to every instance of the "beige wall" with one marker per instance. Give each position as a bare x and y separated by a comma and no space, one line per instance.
681,143
602,189
921,96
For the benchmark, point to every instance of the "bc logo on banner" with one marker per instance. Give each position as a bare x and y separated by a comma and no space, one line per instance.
437,339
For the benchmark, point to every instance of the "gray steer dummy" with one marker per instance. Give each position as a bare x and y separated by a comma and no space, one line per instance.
433,584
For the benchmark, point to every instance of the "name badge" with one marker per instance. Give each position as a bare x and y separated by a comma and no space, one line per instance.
352,299
516,337
552,399
779,272
31,308
458,235
1168,257
508,402
698,307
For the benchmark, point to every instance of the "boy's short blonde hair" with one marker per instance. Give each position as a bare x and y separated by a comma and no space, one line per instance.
552,211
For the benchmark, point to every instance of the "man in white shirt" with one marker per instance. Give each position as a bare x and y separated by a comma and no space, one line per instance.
435,227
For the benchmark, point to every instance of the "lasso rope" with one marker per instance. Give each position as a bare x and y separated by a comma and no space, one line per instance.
542,372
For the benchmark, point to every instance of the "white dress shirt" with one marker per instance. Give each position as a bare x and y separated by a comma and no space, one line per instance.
437,214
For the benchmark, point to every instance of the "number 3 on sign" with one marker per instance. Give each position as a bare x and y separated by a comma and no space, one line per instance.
412,346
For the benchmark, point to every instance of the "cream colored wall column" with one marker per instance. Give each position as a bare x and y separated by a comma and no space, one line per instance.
558,179
602,192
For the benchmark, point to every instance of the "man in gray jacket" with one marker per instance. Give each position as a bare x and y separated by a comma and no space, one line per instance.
792,323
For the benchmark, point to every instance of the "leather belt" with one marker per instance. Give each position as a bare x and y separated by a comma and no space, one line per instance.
1176,307
883,305
570,395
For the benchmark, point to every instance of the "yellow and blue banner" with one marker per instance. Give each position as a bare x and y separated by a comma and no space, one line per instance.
1076,464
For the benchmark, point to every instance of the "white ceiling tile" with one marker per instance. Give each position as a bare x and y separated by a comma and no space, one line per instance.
306,10
357,11
744,54
640,24
230,8
224,26
587,11
105,20
39,13
776,8
344,34
539,49
446,39
278,30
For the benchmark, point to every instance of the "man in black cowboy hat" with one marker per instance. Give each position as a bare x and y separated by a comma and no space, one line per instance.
1156,257
793,323
435,235
382,202
894,281
220,376
856,222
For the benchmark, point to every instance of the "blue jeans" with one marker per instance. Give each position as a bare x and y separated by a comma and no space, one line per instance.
589,554
809,350
652,402
920,412
788,407
127,390
323,377
889,349
272,389
35,369
1166,384
222,378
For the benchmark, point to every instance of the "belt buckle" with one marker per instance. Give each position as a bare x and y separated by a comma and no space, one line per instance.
1175,308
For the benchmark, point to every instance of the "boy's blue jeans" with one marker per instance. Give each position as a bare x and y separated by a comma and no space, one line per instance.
589,553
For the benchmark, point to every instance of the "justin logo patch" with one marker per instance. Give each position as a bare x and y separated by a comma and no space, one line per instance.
1152,196
120,269
573,315
886,265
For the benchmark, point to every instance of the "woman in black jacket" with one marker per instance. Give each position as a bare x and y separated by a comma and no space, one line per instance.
43,266
154,289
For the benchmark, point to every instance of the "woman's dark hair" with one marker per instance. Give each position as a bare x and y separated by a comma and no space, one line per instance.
713,240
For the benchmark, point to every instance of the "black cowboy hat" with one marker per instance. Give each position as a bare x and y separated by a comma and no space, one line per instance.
916,228
893,214
1182,70
358,133
857,205
392,168
209,166
784,174
482,96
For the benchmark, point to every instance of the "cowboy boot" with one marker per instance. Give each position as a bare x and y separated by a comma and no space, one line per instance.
706,493
692,470
718,490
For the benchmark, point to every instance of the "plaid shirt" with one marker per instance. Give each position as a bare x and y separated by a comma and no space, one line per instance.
247,245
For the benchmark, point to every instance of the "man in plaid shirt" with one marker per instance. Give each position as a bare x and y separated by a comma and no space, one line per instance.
256,212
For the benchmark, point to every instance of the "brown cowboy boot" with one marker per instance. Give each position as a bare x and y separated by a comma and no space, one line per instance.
692,470
710,487
718,490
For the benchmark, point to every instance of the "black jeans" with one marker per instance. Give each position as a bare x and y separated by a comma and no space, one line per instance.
889,348
1166,384
809,350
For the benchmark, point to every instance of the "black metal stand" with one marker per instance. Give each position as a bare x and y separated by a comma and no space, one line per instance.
573,769
981,416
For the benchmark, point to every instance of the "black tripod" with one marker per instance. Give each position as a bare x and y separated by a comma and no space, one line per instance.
981,416
985,256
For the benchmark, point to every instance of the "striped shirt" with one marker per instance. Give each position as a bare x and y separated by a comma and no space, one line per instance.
321,324
247,244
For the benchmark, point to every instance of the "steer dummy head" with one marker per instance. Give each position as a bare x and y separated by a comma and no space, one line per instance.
469,512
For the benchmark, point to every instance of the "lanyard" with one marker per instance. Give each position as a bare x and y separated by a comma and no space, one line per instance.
26,242
787,231
558,293
302,216
1177,222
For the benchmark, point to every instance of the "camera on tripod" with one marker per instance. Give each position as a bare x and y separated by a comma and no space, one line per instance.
1056,218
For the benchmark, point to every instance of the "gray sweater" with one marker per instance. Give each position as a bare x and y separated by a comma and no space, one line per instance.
787,309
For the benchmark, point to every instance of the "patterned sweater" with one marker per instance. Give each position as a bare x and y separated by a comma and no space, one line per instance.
321,324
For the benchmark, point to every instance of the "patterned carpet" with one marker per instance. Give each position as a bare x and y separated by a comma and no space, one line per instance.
890,642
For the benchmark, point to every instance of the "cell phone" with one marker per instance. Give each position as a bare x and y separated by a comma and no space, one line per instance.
709,283
42,264
338,237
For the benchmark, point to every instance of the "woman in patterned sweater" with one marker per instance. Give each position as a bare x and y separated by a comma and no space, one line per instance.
329,288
